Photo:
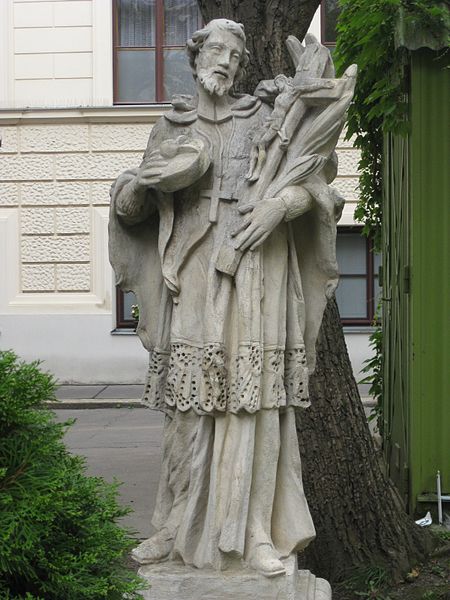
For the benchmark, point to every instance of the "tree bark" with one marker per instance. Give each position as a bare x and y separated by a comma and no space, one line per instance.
358,515
357,512
267,25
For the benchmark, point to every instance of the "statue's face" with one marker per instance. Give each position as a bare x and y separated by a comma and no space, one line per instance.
218,61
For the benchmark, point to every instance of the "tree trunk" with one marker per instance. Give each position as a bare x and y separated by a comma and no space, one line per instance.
358,515
357,512
267,25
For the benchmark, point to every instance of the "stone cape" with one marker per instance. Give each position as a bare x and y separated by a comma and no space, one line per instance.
152,257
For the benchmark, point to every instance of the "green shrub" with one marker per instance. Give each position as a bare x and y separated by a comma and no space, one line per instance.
58,533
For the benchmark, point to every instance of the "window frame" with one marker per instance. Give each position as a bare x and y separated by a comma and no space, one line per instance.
159,48
370,274
121,321
326,43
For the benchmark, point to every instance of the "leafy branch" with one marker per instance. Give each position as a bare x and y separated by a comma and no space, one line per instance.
367,36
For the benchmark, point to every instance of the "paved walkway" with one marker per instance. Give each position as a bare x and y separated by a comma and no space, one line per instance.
98,396
123,444
99,391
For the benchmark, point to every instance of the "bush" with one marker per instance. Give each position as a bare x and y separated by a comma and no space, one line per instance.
58,533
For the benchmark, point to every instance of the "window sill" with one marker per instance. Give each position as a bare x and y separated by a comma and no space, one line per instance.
123,331
358,328
126,113
346,328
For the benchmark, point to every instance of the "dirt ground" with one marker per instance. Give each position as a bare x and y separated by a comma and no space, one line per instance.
430,581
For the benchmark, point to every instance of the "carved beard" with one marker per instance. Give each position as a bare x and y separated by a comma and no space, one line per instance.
214,83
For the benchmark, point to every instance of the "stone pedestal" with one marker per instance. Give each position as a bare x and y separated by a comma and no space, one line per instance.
174,581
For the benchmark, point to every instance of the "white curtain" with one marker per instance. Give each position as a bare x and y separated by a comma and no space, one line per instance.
136,23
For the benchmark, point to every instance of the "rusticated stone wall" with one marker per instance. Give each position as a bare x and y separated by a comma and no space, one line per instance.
56,174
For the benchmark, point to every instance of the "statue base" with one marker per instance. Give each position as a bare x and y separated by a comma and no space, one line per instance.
175,581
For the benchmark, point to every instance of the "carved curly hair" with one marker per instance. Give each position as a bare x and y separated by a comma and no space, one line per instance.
199,37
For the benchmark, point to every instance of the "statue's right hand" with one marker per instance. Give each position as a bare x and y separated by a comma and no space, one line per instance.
150,171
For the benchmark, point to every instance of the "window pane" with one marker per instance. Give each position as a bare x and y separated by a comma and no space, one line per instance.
376,292
177,73
351,298
376,262
136,22
351,253
128,300
181,19
331,12
136,75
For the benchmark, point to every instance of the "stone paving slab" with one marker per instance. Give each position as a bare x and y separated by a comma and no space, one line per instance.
99,391
124,445
121,391
82,403
64,392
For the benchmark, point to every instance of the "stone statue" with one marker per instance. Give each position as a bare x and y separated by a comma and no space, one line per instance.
226,233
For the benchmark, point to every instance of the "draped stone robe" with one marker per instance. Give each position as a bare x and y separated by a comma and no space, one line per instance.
229,357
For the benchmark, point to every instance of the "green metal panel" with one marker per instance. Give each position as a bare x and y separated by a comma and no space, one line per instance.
396,355
430,270
416,285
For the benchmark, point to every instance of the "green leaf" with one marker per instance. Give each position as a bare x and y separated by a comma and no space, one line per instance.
59,536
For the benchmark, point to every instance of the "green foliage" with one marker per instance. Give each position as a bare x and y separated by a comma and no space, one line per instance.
441,533
437,569
429,596
373,366
58,533
366,36
367,582
135,311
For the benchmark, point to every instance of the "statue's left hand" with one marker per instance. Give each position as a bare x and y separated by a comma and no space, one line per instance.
262,219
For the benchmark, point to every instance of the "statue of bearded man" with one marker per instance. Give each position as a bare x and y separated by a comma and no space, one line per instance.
231,344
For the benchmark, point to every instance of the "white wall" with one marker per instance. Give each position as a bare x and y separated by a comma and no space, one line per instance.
53,57
56,285
76,348
314,26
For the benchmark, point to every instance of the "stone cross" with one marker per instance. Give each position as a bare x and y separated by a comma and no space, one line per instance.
216,194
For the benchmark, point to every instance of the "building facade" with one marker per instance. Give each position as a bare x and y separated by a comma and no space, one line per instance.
81,84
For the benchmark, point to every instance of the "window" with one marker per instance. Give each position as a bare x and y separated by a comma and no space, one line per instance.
357,295
358,291
124,303
150,62
329,12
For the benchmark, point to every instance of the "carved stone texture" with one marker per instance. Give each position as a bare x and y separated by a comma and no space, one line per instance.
37,220
24,168
121,136
226,233
168,581
95,166
74,248
54,138
56,193
9,194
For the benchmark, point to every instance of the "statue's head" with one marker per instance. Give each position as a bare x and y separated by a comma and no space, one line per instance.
218,56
